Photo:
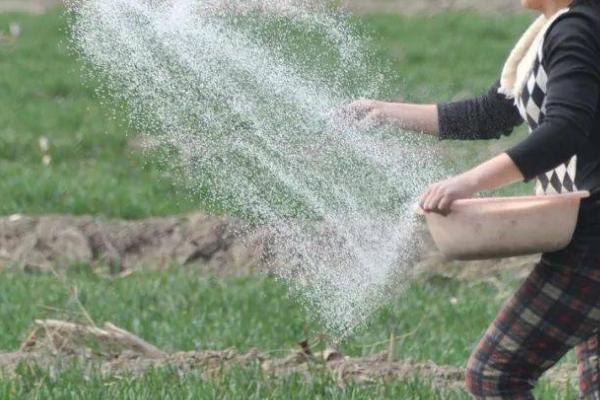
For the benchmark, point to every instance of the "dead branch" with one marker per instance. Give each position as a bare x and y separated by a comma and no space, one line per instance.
60,332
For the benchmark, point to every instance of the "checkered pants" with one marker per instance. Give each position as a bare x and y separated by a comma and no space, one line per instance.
556,309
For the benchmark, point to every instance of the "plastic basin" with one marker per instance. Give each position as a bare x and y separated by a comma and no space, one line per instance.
483,228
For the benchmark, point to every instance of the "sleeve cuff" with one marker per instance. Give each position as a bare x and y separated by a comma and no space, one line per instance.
524,162
450,124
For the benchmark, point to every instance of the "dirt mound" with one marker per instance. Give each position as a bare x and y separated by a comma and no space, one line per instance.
57,345
42,243
217,245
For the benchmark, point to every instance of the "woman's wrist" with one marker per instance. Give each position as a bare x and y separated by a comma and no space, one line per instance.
492,174
472,181
414,117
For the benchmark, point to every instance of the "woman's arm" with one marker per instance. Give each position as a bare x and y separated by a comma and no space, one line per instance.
572,62
413,117
486,117
497,172
572,55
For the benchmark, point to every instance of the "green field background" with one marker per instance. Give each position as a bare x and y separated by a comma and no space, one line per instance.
454,55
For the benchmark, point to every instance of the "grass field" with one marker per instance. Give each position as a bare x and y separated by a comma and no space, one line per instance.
178,310
92,171
42,93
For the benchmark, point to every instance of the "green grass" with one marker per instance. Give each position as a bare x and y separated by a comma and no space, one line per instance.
240,384
251,385
448,57
180,310
42,93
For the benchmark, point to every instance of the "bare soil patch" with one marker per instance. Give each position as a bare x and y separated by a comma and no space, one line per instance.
217,245
57,345
40,244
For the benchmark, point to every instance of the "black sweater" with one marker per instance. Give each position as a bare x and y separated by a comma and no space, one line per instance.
572,120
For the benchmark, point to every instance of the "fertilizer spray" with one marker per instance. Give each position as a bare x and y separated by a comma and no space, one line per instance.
241,96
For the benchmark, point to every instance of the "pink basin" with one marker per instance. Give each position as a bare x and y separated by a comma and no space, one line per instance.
483,228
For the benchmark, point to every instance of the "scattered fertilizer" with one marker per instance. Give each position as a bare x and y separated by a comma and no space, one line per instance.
241,97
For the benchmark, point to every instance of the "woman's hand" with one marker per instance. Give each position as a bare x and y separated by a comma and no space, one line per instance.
364,114
492,174
367,114
439,197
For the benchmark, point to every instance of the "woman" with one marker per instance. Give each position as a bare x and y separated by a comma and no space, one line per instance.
551,80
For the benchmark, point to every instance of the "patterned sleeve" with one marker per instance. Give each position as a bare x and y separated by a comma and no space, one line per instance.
572,62
485,117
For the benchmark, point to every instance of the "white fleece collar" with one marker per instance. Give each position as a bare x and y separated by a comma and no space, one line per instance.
521,60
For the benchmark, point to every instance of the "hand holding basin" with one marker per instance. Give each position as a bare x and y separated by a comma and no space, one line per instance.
483,228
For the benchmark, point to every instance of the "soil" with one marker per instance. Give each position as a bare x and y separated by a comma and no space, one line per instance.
216,244
56,345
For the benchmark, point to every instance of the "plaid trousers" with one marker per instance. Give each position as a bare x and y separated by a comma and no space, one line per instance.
557,308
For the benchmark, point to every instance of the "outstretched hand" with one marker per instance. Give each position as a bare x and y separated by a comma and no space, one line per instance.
438,198
362,114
